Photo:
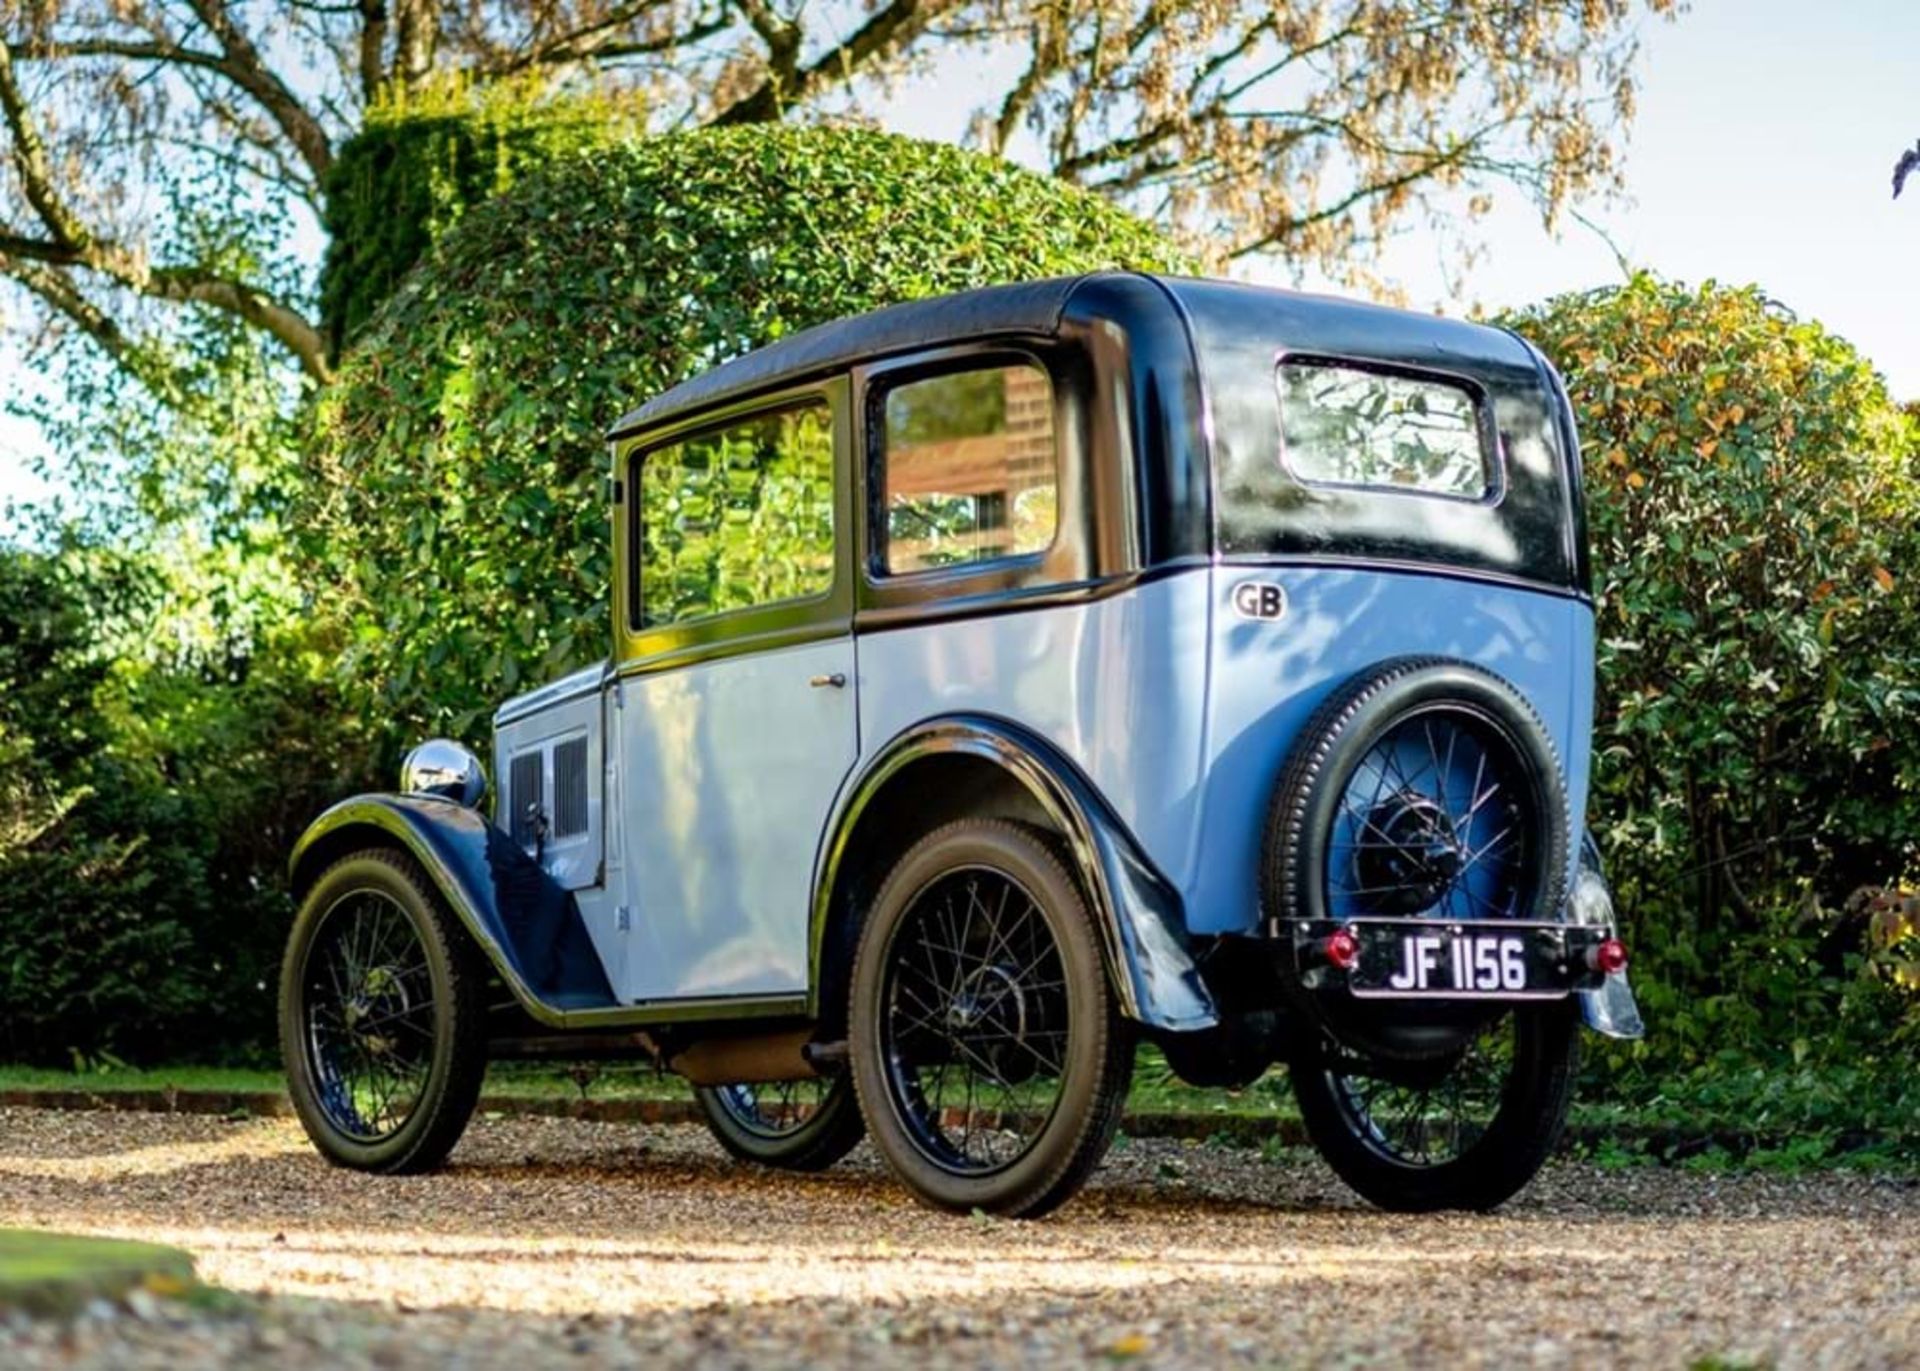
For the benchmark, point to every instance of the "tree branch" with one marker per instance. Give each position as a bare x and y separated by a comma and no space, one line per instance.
243,65
286,324
58,291
1373,190
31,260
30,160
892,28
373,45
601,41
416,36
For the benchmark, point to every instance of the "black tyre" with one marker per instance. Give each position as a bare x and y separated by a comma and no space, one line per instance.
1464,1131
1424,788
804,1125
382,1017
990,1058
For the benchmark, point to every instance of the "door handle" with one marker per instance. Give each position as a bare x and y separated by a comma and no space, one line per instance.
836,680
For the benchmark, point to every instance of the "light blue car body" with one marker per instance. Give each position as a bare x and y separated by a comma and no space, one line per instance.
1147,718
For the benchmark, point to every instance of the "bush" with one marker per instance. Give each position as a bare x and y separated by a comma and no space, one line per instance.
426,155
1753,504
456,518
145,815
90,931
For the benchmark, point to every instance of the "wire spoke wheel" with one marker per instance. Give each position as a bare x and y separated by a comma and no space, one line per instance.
370,1016
383,1016
1424,789
1464,1130
775,1110
1432,1113
1438,818
989,1057
975,1027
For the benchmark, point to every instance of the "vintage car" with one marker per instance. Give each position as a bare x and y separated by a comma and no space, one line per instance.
999,683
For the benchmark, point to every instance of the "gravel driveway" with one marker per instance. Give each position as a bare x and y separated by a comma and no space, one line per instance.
551,1241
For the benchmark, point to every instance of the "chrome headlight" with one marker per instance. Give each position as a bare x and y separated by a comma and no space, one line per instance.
443,767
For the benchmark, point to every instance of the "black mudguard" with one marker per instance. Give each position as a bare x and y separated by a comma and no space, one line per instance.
527,925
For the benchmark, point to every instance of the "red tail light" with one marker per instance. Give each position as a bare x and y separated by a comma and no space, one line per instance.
1609,957
1340,948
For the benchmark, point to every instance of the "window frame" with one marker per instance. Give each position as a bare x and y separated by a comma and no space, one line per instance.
751,628
1492,452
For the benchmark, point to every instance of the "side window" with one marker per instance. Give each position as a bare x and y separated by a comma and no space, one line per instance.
737,518
969,470
1345,426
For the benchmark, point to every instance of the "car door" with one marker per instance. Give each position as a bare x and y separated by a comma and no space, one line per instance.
734,704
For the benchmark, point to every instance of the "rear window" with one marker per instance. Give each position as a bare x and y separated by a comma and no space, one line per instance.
1344,425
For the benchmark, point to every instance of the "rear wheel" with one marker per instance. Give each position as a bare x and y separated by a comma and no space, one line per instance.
382,1017
1467,1130
803,1125
990,1059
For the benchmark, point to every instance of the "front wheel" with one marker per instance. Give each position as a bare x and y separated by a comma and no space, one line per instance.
990,1058
1466,1130
382,1017
804,1125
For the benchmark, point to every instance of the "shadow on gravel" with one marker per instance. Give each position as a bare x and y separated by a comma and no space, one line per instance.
1674,1304
645,1245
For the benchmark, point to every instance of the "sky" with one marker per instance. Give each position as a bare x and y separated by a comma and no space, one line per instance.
1763,152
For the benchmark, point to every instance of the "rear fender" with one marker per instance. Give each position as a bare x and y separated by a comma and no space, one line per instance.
528,926
1139,915
1611,1011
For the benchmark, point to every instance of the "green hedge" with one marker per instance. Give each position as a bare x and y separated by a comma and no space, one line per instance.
457,519
1754,503
145,817
424,158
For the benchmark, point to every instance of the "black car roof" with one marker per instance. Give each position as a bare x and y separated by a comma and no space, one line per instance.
1031,307
1213,309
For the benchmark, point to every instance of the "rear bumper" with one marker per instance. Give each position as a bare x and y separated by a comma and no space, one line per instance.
1447,959
1456,961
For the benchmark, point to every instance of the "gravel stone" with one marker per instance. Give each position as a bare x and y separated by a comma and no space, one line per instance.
554,1242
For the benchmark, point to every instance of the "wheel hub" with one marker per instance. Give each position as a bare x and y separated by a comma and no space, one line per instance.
991,998
1413,853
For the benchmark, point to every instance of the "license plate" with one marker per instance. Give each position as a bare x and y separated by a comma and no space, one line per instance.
1414,959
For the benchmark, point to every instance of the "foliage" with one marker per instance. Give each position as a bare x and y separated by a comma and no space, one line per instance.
168,722
427,154
457,519
90,904
1752,496
1307,132
144,817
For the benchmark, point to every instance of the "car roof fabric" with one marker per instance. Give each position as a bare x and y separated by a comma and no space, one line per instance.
1032,307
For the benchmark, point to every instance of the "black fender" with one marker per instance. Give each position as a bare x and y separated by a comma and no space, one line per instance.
519,916
1140,916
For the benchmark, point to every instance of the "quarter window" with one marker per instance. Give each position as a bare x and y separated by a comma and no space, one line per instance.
969,468
1344,426
737,518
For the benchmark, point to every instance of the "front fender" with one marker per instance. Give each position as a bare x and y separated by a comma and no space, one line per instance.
529,928
1141,921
